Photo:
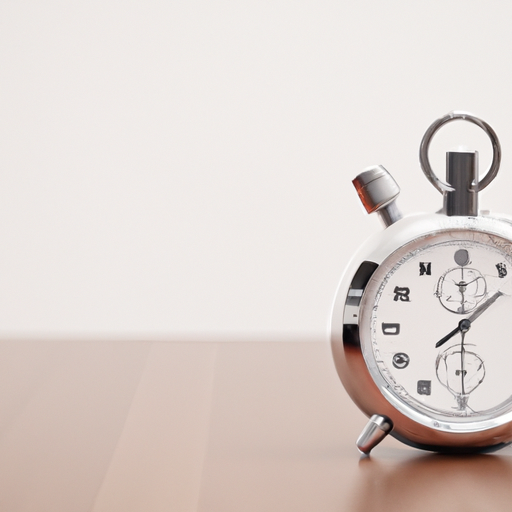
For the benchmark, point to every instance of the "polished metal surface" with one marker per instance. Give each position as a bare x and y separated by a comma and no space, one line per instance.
373,433
435,126
461,172
378,191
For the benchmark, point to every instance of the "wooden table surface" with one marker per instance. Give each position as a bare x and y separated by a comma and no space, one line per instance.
210,427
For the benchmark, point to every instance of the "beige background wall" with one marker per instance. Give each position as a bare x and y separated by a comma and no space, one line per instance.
178,169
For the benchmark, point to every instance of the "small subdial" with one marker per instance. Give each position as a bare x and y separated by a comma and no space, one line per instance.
461,372
461,289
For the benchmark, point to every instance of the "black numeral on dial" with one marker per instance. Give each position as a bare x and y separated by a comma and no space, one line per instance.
502,270
425,268
401,360
401,293
424,387
390,329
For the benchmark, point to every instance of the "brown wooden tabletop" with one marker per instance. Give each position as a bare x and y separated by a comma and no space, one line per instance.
210,427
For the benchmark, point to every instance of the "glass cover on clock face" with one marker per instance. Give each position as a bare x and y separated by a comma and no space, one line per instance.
439,316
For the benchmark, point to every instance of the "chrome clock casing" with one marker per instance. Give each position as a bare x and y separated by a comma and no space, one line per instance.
350,330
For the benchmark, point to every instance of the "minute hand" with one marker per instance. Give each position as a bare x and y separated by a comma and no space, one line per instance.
480,309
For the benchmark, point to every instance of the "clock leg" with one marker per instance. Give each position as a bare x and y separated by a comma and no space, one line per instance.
373,433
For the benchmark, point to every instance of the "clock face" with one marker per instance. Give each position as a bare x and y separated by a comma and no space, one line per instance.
436,328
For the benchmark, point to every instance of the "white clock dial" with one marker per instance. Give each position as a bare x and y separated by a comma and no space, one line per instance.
416,300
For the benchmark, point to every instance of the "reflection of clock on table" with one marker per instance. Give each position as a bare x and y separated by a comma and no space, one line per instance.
420,321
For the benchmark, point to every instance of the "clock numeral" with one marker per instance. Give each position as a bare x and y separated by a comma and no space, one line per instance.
401,360
401,293
424,387
502,270
425,268
461,257
390,329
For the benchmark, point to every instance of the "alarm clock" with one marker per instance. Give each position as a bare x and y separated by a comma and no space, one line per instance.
421,324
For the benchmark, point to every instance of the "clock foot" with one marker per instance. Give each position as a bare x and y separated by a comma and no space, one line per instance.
373,433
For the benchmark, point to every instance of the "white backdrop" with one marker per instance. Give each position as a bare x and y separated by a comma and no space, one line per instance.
183,169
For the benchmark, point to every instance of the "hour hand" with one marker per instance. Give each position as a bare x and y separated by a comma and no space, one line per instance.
464,326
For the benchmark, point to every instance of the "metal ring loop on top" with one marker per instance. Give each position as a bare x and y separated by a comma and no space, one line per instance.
434,127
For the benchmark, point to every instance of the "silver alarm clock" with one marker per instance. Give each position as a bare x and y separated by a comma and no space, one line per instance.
421,321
